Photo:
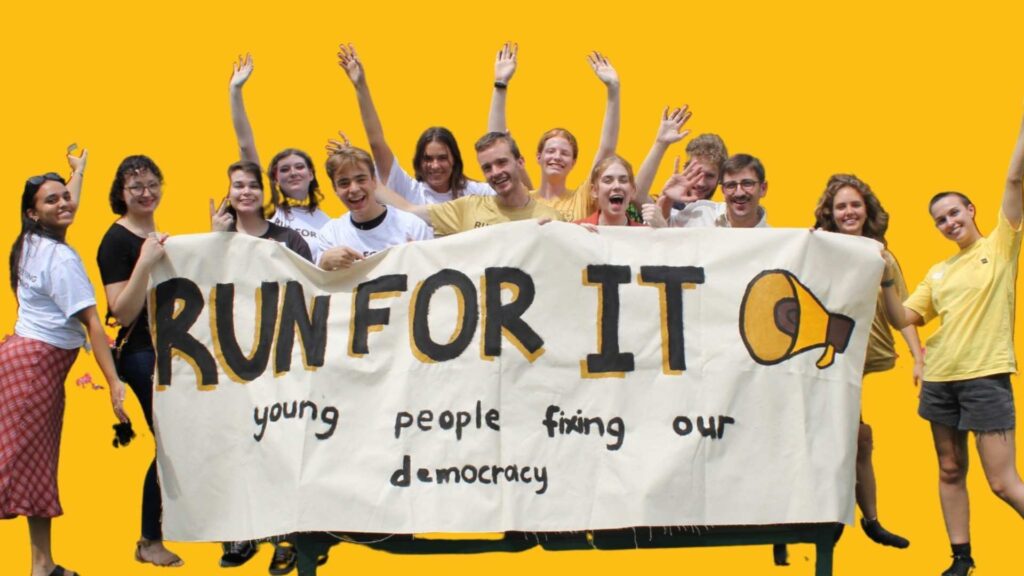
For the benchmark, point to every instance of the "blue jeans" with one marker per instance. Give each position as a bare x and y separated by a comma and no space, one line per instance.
136,369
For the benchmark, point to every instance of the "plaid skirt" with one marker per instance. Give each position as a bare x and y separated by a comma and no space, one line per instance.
32,375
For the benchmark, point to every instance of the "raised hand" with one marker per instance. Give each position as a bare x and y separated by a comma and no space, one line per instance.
335,146
349,62
670,130
505,63
77,163
220,219
603,68
241,70
682,187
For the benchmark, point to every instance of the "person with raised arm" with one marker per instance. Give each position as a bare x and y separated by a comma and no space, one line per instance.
971,356
437,162
294,190
501,162
849,206
242,211
127,254
369,226
743,185
56,316
558,150
612,185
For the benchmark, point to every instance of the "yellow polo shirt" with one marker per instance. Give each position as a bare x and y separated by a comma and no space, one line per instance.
471,212
973,293
573,205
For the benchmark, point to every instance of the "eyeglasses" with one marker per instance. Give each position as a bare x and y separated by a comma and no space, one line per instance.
746,184
140,189
37,181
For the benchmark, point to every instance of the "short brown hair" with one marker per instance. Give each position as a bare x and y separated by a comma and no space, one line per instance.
492,138
740,162
348,156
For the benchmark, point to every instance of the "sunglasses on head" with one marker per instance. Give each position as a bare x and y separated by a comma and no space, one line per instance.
51,176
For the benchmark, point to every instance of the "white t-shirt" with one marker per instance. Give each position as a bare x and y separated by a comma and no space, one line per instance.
52,288
306,223
708,214
397,228
419,193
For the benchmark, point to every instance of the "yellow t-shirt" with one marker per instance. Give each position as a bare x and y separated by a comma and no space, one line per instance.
573,205
471,212
973,293
881,354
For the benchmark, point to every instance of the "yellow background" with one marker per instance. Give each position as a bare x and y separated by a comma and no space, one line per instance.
913,99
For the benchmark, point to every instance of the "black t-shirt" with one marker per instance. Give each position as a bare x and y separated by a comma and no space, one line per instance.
119,250
290,238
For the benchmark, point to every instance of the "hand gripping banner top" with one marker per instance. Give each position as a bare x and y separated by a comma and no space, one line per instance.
516,377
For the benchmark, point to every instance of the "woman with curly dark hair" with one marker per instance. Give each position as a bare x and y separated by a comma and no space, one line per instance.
849,206
127,254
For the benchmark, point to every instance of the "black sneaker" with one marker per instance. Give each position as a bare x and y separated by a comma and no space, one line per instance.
962,566
284,559
236,553
876,532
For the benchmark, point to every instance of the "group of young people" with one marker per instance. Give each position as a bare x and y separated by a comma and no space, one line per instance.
966,386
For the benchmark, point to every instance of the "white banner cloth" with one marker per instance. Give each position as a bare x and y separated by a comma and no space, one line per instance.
439,398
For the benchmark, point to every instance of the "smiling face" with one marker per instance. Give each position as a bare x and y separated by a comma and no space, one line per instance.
849,211
293,176
614,190
354,184
245,194
53,208
142,192
436,166
743,192
501,168
556,157
955,220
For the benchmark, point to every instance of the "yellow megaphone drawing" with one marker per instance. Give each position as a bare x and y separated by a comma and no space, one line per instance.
780,318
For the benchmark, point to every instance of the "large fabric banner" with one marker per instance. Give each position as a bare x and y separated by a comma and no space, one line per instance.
517,377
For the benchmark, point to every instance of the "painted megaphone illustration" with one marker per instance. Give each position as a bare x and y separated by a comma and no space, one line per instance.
780,318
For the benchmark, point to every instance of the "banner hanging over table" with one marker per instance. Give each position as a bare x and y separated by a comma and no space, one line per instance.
516,377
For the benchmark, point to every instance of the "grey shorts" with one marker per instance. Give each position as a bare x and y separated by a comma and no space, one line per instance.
982,404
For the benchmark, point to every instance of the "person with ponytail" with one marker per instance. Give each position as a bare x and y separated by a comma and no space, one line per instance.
56,316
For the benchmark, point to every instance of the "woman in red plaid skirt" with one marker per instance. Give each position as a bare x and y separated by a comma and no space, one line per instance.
56,309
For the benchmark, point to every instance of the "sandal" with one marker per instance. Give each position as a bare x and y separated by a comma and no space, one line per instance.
167,559
59,570
284,558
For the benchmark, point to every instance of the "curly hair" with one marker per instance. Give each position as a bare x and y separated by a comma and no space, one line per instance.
877,221
130,166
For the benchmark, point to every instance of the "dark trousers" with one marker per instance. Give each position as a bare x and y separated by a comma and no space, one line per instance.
136,369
